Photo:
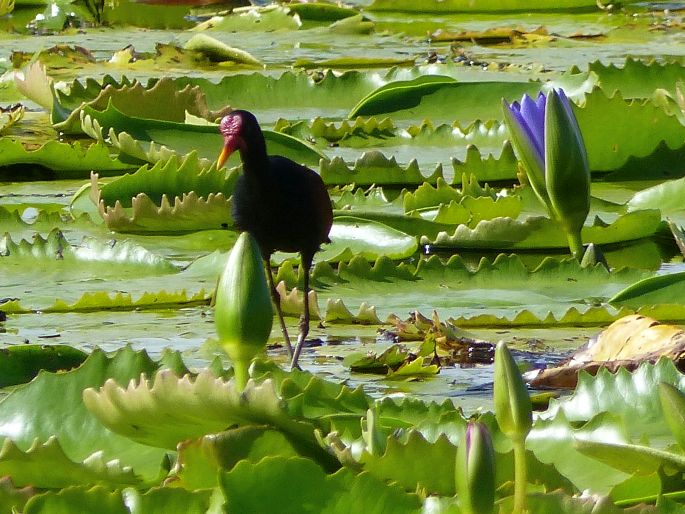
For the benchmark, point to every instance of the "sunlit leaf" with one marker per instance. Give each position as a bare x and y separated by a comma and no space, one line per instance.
68,160
153,140
251,486
217,51
46,465
19,364
79,434
483,6
543,233
201,460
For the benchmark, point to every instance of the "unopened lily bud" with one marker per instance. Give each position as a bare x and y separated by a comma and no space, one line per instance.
475,471
513,408
243,311
547,139
567,172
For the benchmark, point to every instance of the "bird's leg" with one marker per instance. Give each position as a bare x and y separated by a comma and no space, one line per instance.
277,301
304,320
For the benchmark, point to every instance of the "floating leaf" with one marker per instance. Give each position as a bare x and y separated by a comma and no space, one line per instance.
428,95
351,236
666,196
46,465
541,232
483,6
55,249
267,18
322,11
251,488
663,289
374,168
79,434
104,500
19,364
217,51
70,160
200,460
160,101
134,412
172,179
153,140
604,122
188,213
631,458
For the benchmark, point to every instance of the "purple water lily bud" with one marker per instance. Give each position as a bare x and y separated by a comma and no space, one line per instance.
526,124
547,139
475,471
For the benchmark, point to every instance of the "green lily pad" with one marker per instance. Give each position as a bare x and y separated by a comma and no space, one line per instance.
153,140
161,101
484,6
68,160
55,250
266,18
223,405
637,79
427,97
374,168
251,486
631,458
79,434
541,232
20,364
661,289
217,51
666,196
127,501
200,460
46,465
352,236
172,179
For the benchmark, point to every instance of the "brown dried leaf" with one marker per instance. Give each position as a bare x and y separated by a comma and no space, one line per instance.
627,342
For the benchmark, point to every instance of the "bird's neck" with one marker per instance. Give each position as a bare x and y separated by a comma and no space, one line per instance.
255,159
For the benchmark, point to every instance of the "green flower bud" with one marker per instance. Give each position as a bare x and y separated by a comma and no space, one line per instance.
475,471
513,408
243,312
567,172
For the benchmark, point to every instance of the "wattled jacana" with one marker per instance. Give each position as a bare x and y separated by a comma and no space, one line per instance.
284,205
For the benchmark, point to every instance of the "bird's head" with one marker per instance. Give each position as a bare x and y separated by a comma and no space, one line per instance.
238,128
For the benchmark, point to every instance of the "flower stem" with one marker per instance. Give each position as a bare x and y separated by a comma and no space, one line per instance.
575,244
520,475
241,373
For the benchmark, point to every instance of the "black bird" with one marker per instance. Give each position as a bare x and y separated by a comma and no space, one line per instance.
284,205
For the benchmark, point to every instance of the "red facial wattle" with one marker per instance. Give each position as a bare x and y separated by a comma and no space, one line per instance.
231,144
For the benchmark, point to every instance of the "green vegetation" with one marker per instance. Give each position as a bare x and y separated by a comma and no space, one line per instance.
116,231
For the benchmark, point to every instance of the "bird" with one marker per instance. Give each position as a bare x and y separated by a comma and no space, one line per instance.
283,204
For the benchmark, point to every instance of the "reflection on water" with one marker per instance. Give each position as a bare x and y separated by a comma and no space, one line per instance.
469,387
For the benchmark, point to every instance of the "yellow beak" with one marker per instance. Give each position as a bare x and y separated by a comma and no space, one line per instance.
224,155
